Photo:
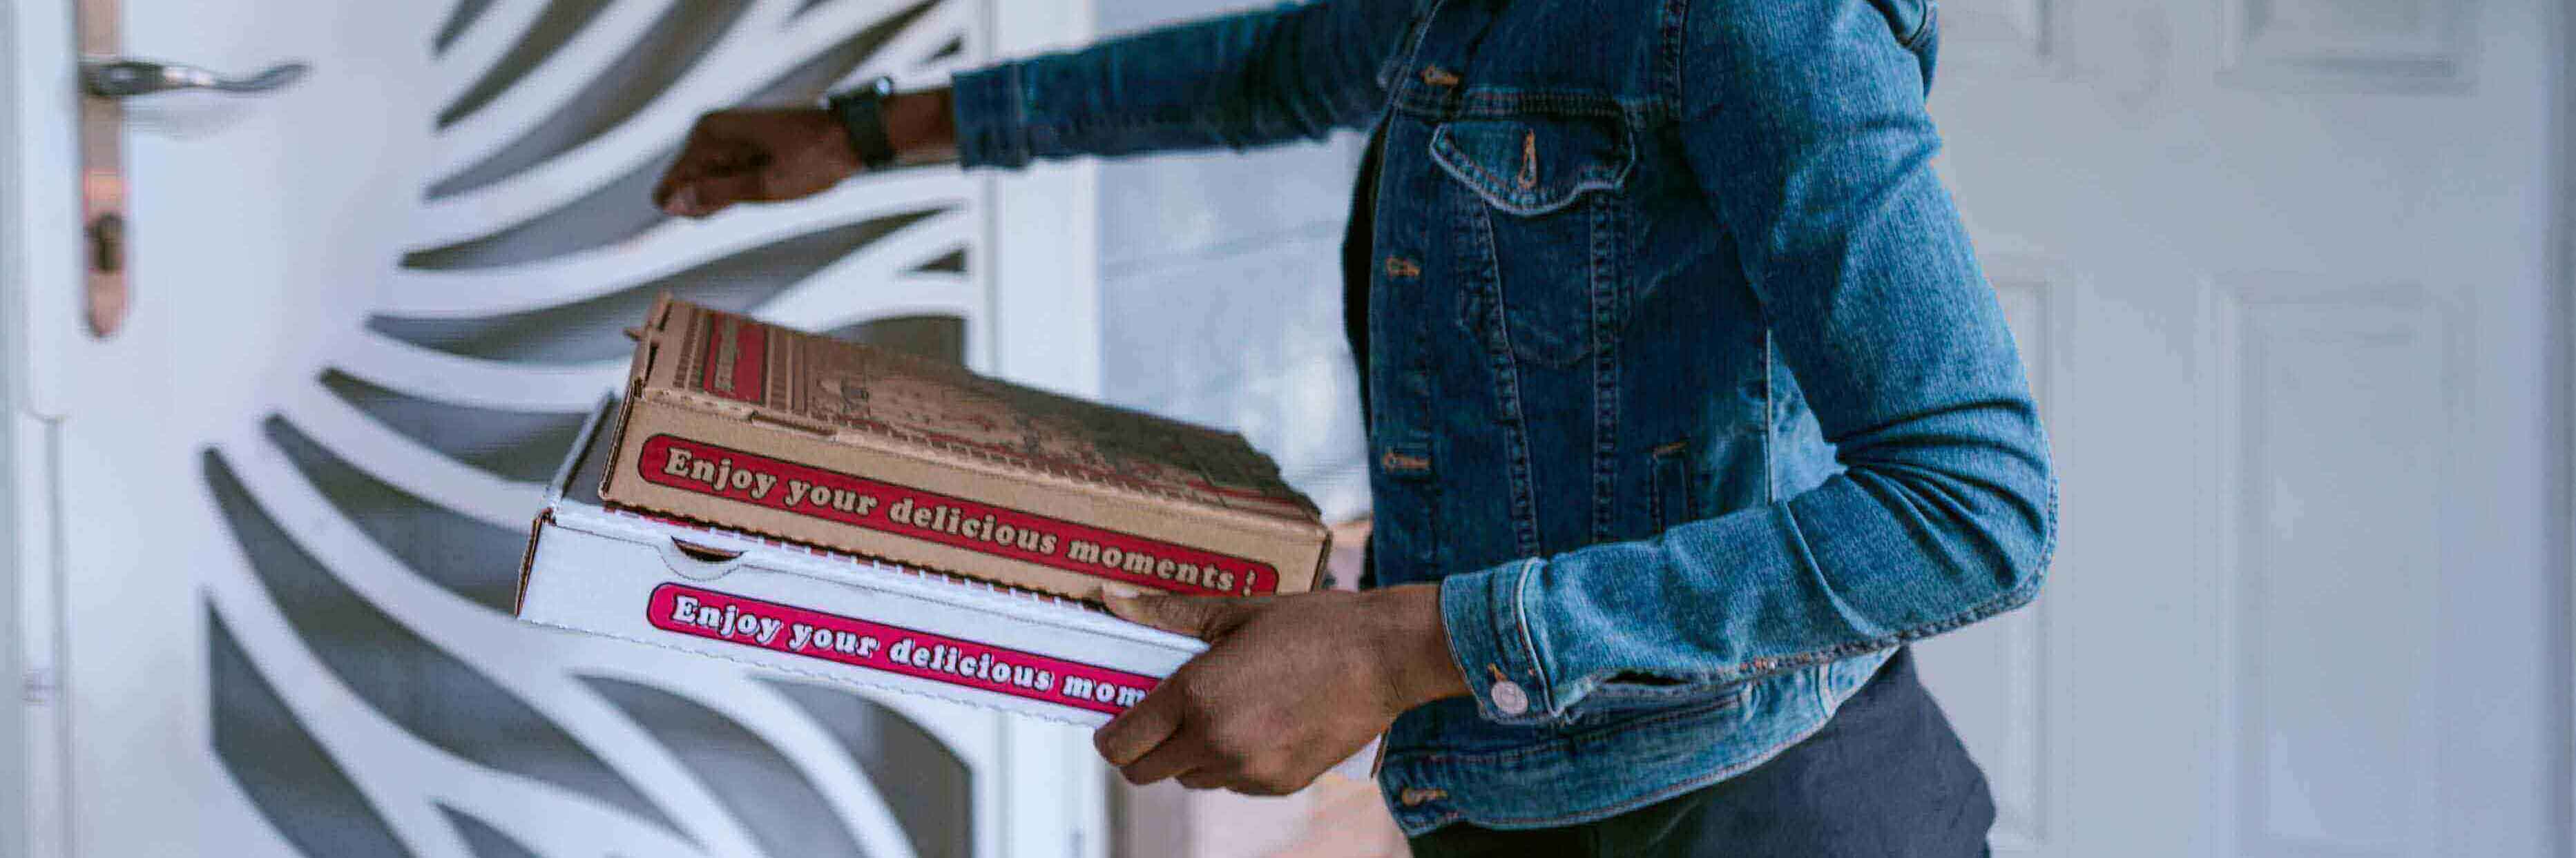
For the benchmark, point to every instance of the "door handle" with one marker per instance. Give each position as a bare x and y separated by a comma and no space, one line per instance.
121,77
107,80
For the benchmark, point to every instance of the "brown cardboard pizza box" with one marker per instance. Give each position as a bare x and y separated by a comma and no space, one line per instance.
755,427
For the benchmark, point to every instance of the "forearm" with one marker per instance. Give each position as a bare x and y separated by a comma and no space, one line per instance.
1804,122
1243,80
1928,539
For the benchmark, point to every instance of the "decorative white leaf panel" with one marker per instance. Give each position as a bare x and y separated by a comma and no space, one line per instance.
370,693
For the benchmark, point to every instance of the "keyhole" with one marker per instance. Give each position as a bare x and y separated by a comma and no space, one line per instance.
107,243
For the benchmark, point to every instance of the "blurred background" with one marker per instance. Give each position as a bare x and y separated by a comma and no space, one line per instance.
288,369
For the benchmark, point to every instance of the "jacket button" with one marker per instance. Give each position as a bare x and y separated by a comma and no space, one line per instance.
1509,698
1419,796
1437,76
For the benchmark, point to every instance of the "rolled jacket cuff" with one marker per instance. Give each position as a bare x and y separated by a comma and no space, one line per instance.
1487,619
992,117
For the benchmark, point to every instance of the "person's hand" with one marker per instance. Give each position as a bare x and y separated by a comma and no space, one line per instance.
763,155
777,154
1288,687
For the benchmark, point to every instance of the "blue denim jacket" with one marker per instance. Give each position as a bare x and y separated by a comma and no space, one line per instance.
1684,382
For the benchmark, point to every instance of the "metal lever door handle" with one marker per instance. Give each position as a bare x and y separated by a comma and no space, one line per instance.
118,77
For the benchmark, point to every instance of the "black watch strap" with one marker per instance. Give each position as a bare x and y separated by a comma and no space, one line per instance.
862,114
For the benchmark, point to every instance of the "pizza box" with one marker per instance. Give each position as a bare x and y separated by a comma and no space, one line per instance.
760,429
595,566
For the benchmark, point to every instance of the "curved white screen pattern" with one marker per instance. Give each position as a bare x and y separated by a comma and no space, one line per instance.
371,694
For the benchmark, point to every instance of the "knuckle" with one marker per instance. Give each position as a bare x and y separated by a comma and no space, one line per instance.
1225,755
1233,745
1194,691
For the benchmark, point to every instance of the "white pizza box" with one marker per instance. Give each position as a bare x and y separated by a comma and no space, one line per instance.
598,568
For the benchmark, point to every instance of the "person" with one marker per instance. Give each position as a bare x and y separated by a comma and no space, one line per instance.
1688,404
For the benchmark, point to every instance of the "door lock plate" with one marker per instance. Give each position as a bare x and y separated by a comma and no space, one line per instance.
105,294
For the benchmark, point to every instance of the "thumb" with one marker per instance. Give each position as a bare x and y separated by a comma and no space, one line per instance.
1202,617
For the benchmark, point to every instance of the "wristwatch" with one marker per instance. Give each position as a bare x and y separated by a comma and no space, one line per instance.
861,110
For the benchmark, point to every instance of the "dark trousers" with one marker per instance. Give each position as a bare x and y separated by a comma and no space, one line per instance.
1885,777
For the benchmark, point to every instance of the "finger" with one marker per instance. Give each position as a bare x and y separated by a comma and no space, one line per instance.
710,194
1202,779
682,171
696,155
669,185
1202,617
1178,756
1139,729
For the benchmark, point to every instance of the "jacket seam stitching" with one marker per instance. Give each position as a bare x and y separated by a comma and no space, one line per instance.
1508,391
1606,301
1770,422
1675,33
1520,620
1023,133
1931,12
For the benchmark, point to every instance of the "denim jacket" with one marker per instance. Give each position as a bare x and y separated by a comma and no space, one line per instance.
1683,380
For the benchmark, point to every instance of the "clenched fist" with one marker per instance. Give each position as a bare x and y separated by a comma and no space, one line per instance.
778,154
756,156
1288,687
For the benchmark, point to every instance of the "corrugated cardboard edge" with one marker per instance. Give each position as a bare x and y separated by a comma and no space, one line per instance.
560,484
648,349
528,562
657,383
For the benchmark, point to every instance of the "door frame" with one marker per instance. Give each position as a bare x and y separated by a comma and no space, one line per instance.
1045,324
2562,477
1044,286
39,243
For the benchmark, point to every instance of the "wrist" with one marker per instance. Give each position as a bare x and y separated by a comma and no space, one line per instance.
1415,641
922,125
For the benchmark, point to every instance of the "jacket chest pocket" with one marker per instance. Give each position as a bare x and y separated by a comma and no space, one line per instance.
1541,231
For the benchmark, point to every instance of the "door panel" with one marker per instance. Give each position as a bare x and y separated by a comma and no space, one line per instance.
2282,271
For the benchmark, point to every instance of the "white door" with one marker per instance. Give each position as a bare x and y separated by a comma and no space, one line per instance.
2283,272
367,310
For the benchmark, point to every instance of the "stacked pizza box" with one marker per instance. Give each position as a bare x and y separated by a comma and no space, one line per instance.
844,512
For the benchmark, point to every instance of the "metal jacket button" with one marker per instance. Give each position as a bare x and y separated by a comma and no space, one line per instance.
1437,76
1418,796
1509,698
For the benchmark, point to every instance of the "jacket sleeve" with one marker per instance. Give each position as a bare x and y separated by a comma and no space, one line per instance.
1237,81
1805,127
